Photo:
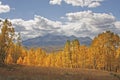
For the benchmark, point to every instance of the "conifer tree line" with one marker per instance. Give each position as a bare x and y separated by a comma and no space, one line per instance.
103,53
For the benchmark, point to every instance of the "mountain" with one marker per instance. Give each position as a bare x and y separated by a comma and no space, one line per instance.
54,40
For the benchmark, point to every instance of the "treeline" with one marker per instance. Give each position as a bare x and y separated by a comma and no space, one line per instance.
103,53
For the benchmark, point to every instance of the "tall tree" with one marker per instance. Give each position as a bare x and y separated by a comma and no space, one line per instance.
108,42
6,39
67,54
75,45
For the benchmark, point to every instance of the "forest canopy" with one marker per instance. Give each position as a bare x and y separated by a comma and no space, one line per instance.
103,53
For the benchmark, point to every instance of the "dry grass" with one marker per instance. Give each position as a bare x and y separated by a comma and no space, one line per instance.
42,73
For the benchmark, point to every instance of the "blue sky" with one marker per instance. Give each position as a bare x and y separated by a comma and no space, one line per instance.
59,16
26,9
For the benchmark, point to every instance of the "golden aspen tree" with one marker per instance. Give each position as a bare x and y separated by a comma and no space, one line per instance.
48,61
26,60
53,59
75,51
31,56
19,61
24,52
94,57
82,56
39,57
110,42
17,48
6,39
101,58
9,59
59,59
67,54
117,58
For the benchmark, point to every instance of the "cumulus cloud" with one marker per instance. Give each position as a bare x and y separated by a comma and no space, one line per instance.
87,23
94,4
82,3
39,26
4,8
80,24
117,24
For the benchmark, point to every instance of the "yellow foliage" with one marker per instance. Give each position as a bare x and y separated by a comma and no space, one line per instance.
19,61
103,53
9,59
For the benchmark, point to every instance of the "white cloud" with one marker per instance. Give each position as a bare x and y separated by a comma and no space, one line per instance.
39,26
82,3
53,2
4,8
87,23
80,24
117,24
94,4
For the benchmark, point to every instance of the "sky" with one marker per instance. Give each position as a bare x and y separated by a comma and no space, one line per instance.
81,18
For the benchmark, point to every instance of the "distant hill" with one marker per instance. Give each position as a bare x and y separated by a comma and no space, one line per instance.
54,40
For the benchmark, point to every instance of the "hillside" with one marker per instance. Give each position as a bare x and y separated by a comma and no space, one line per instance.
54,40
40,73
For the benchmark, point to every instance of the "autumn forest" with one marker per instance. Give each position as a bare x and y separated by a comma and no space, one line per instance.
102,54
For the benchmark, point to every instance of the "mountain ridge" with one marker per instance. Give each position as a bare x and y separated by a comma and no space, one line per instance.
54,40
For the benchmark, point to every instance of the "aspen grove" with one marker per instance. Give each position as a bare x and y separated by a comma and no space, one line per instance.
103,53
